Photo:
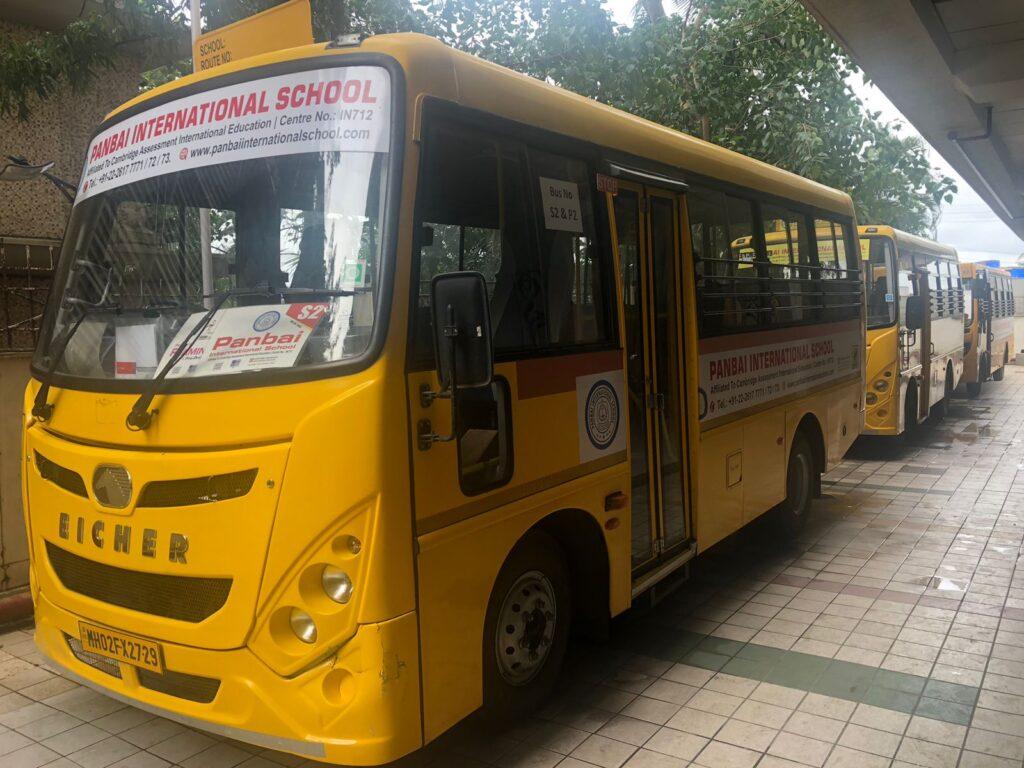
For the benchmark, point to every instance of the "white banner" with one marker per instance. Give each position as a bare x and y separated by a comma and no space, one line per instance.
246,339
340,109
736,379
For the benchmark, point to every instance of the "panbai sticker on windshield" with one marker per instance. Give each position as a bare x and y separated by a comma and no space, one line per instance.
246,339
343,109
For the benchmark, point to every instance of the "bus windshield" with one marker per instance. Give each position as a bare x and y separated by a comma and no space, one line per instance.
877,253
263,186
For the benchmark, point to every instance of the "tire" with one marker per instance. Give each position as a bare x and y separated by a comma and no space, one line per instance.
792,514
910,406
531,597
1000,372
940,410
973,389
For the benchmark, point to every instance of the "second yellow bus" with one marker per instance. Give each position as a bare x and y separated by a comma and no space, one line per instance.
914,329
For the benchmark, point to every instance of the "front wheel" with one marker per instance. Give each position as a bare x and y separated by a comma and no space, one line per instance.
527,628
910,416
792,513
1001,372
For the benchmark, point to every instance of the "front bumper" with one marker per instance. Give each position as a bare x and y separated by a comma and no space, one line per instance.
359,707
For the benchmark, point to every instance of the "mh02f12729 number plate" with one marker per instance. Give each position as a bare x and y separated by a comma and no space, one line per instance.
121,647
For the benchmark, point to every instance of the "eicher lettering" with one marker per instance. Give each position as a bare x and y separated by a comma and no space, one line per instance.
123,538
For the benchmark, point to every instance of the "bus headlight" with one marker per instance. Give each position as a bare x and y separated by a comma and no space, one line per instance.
881,385
870,398
303,625
336,584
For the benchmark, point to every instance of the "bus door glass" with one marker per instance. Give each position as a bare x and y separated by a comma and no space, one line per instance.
910,350
879,281
927,270
647,224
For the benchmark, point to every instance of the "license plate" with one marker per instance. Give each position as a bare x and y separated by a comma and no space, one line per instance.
117,645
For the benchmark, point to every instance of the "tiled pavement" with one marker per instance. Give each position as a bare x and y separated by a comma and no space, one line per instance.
891,634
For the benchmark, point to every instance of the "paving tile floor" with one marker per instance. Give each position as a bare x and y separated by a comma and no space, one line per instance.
890,635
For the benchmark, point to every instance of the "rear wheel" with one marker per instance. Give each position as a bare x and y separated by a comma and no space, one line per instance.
792,513
1001,371
526,629
973,389
941,408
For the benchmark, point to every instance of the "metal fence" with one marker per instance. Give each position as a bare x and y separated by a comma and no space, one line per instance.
26,272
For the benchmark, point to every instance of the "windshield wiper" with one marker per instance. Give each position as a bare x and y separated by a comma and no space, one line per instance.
141,416
41,409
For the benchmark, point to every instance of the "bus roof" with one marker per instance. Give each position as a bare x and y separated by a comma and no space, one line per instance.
432,68
905,239
972,269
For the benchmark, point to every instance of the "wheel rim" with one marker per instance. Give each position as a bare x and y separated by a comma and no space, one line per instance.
800,483
525,631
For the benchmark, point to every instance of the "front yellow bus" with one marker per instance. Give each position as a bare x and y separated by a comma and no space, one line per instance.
216,534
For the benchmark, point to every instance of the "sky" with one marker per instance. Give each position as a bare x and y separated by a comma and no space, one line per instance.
968,224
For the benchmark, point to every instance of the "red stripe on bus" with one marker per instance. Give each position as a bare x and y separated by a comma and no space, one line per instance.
542,376
760,338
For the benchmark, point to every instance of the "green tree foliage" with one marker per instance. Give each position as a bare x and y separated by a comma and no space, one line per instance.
37,66
757,76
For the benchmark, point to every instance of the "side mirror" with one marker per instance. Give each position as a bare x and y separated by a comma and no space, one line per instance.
916,310
462,330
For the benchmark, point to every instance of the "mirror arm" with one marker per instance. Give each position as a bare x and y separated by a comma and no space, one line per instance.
426,436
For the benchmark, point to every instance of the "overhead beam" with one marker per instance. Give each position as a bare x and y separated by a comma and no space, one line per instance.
904,47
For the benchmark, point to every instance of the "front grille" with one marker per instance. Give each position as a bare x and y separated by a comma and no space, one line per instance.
94,660
202,690
186,598
67,479
197,490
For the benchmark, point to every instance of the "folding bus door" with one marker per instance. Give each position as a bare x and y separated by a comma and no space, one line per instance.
647,223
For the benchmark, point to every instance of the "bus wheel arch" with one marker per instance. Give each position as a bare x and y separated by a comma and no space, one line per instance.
1000,372
941,408
586,557
554,578
810,428
804,466
911,407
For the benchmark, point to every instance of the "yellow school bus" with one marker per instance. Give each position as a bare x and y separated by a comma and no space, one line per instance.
988,324
915,302
464,362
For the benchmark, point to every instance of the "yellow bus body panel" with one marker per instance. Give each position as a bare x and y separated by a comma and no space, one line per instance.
333,460
882,418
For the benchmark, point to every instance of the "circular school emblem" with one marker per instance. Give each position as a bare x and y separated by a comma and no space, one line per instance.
266,321
602,414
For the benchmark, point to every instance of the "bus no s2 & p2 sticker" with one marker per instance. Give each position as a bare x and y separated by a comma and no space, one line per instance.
600,414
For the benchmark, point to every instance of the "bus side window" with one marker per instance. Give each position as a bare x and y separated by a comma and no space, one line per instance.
473,217
569,252
786,246
709,236
841,290
744,308
827,249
